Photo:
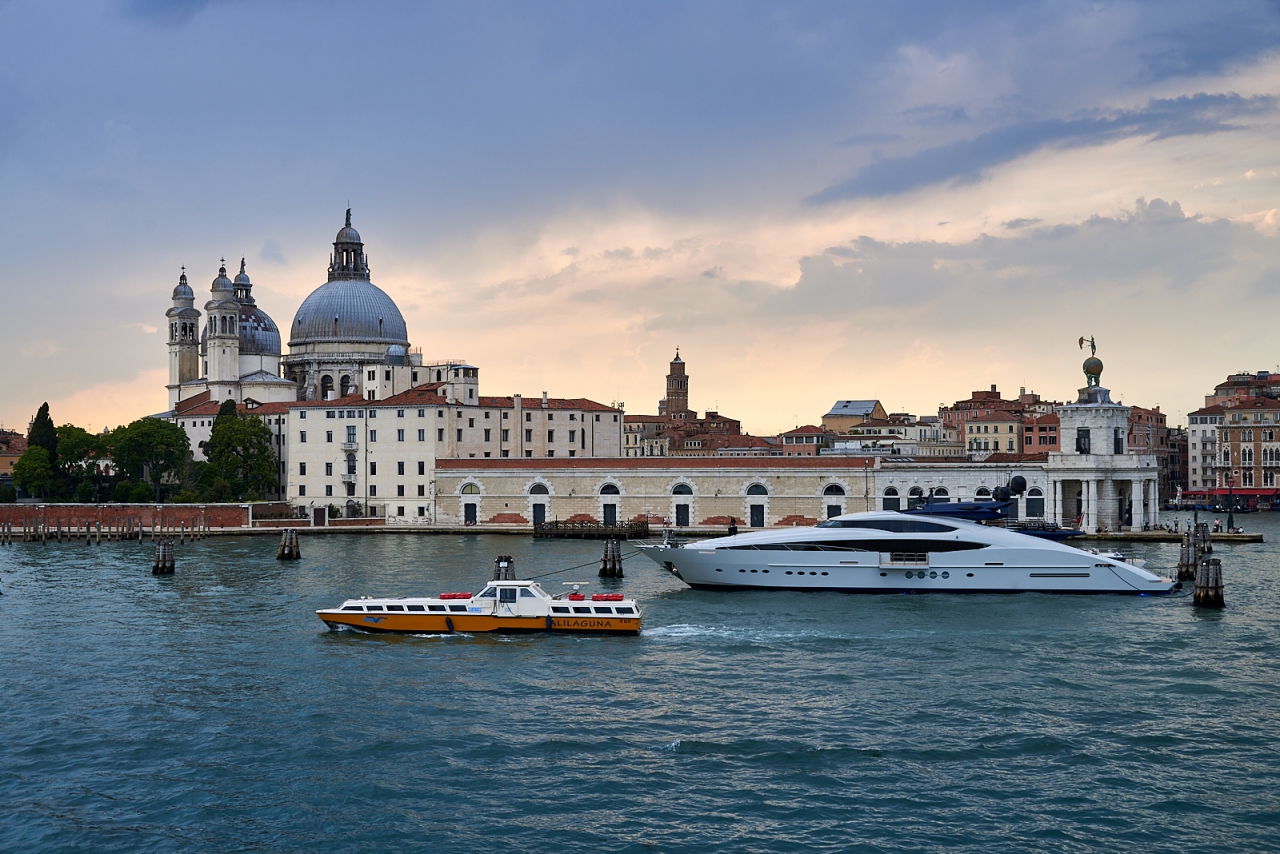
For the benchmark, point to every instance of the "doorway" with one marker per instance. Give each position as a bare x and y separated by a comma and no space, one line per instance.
539,514
469,514
682,515
757,515
611,514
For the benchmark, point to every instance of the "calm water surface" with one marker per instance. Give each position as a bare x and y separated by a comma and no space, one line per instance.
212,711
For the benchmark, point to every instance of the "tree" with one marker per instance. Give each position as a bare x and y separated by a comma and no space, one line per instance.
78,450
32,471
43,434
151,449
239,449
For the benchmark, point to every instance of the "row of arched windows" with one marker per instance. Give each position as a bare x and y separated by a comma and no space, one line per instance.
834,489
182,331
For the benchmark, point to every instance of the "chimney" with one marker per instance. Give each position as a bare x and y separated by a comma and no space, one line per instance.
993,386
544,400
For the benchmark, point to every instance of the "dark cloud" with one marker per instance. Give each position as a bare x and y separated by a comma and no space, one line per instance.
965,161
1014,224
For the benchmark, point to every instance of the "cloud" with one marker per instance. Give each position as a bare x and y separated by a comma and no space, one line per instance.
870,139
966,161
271,251
1023,222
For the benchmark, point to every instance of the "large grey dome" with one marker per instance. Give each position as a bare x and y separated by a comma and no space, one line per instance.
258,333
348,310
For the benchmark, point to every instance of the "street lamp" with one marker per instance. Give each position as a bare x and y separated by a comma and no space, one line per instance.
1231,505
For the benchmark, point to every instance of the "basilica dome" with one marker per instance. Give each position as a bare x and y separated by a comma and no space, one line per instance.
348,308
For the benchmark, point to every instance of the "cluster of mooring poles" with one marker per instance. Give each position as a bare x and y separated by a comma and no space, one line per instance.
504,568
611,560
164,563
289,545
1193,565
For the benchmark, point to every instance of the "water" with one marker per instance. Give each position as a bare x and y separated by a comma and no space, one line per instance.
212,711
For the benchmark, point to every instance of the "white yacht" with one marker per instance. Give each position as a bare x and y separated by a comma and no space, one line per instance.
887,552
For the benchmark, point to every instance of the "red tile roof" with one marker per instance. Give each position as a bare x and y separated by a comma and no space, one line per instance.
809,430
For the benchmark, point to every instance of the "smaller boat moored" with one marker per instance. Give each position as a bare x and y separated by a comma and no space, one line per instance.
503,606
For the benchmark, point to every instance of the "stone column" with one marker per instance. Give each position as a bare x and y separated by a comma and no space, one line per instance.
1057,502
1135,500
1153,516
1091,506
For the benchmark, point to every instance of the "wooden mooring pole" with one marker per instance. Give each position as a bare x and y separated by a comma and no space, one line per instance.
289,545
611,560
1209,584
164,563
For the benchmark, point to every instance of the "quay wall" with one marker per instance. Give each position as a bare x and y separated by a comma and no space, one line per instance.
167,515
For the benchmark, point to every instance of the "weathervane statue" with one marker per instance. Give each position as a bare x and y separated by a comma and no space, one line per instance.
1092,365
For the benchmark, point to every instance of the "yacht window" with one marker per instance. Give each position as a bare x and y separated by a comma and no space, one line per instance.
435,607
526,593
506,594
559,609
373,608
489,593
624,610
898,526
604,610
414,607
462,608
395,607
353,608
578,610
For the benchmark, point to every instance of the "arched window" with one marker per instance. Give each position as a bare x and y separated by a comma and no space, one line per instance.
757,489
538,489
1035,502
891,500
833,489
983,494
941,495
609,489
915,497
326,386
682,489
470,489
351,463
344,385
439,376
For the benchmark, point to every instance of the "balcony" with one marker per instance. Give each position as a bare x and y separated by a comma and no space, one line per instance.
350,446
348,478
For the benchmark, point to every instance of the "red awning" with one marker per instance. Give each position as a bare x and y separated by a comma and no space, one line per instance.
1255,493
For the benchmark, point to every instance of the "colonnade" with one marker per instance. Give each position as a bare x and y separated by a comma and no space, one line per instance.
1143,497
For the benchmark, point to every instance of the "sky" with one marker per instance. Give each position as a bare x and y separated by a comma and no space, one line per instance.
813,201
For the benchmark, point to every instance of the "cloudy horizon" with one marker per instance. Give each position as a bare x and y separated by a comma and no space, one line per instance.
812,202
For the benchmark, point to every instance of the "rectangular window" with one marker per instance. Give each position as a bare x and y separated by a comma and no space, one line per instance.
459,434
528,435
373,490
330,414
400,493
572,453
302,490
471,422
328,435
400,468
373,413
328,489
551,453
504,415
372,375
302,435
1082,440
399,435
302,469
597,417
422,435
373,435
506,453
328,469
486,415
528,453
571,436
439,413
422,490
528,416
351,432
399,413
551,435
422,511
387,376
487,431
440,435
303,415
422,413
551,416
1117,441
373,468
506,435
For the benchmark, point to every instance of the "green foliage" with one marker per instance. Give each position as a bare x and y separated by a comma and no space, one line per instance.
85,493
79,450
43,435
239,449
33,471
122,492
186,496
8,494
141,493
150,449
219,491
335,512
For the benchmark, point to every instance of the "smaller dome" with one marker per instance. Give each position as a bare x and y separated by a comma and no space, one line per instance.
183,290
222,283
396,355
347,235
242,278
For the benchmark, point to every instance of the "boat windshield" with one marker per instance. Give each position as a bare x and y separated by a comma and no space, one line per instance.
489,593
898,526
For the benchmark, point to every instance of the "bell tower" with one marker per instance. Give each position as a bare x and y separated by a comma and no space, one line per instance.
222,343
184,334
676,404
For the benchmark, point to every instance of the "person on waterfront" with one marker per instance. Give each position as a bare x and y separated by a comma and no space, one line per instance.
733,526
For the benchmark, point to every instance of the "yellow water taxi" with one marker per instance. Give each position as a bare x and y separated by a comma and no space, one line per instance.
503,606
